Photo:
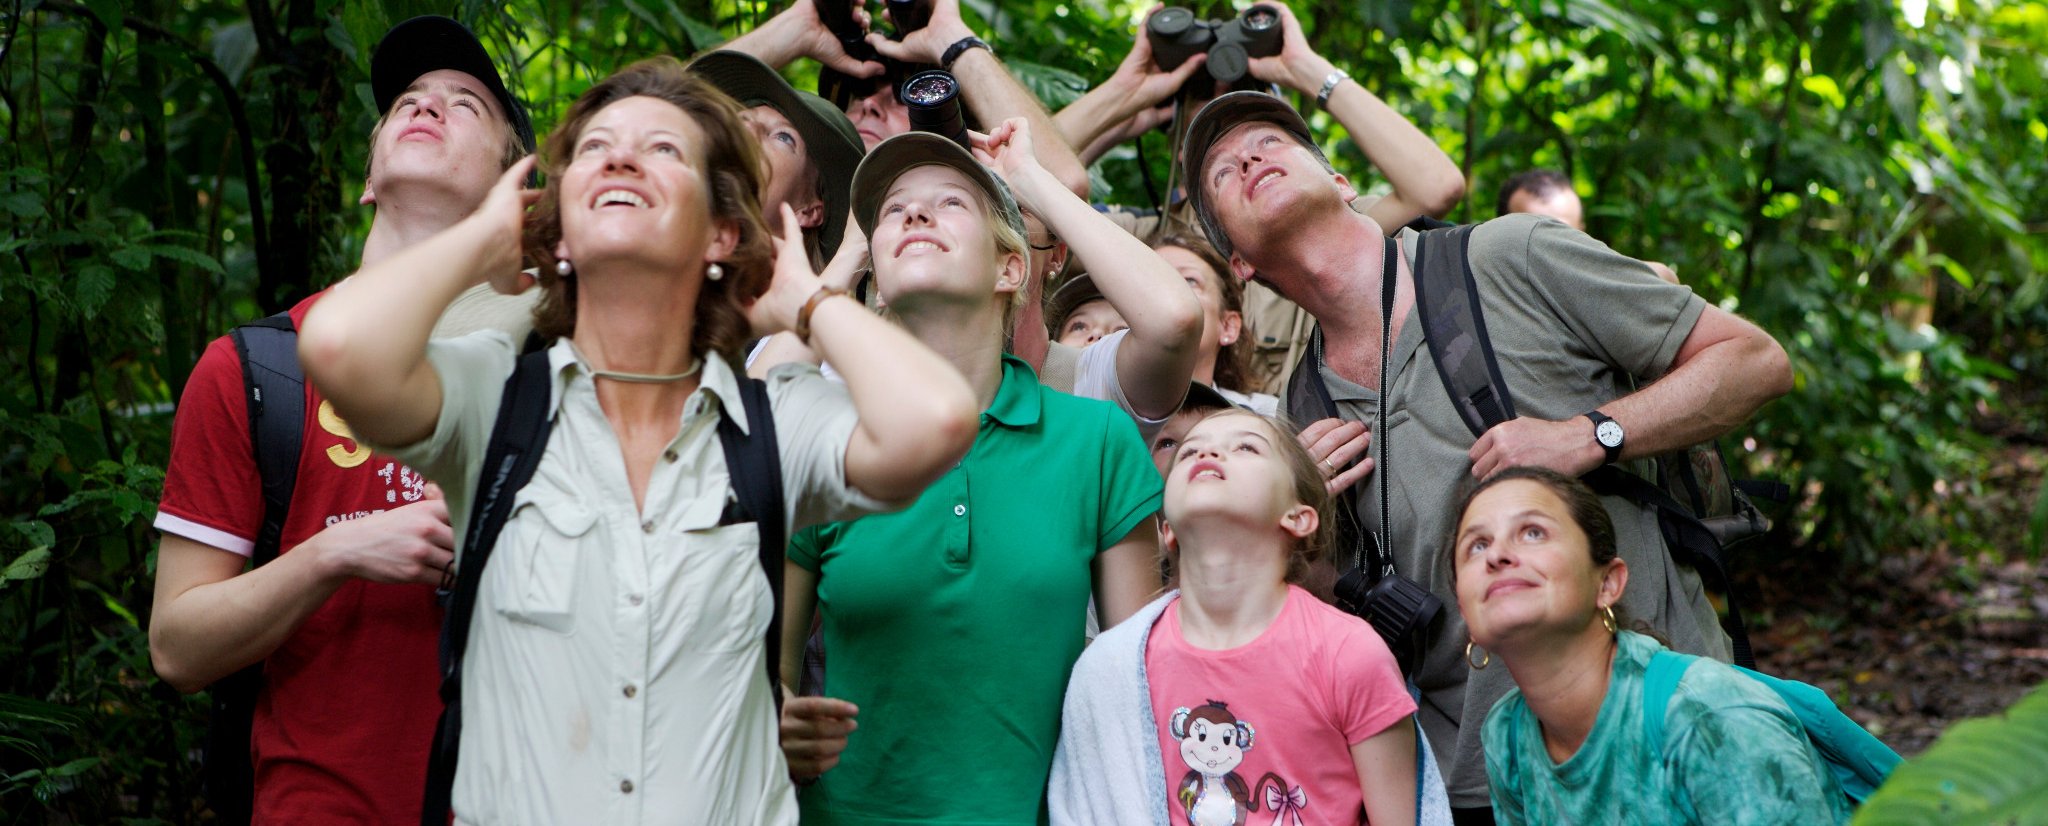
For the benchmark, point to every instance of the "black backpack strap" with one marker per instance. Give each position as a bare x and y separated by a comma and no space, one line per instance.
274,388
754,461
1454,327
518,438
276,393
1690,541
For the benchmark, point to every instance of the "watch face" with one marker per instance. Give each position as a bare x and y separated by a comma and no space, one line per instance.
1609,433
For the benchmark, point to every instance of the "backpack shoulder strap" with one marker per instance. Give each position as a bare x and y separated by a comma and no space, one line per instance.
1454,327
275,388
754,461
518,438
1660,682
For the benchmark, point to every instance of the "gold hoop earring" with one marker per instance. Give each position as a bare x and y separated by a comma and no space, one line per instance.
1486,657
1607,619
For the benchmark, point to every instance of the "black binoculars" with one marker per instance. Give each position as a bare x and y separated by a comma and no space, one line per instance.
933,97
1176,35
837,15
1403,611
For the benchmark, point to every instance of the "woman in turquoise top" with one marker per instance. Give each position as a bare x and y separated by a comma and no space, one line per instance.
1533,560
950,627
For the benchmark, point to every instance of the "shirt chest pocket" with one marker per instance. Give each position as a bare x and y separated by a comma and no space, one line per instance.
715,589
533,575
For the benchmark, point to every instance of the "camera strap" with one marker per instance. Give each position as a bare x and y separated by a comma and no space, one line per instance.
1381,559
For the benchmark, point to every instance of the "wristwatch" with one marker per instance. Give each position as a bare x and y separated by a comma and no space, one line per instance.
1608,433
960,47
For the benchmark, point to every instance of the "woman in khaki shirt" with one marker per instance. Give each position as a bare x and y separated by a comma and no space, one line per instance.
614,668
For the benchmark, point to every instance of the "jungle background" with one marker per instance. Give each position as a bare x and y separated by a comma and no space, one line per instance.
1866,180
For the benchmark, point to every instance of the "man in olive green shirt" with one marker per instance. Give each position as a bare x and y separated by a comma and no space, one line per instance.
1580,332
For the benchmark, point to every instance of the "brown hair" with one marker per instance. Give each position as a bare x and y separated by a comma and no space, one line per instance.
733,179
1580,503
1233,361
1308,489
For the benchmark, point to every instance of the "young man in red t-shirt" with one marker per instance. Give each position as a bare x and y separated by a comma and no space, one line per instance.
344,619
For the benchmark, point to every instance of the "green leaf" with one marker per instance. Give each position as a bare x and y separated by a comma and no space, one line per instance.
108,11
36,531
135,259
95,285
1985,770
76,767
30,565
23,203
185,255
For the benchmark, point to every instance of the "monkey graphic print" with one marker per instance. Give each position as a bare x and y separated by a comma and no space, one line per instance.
1261,734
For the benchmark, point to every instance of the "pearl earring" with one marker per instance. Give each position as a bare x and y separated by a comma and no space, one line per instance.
714,272
562,268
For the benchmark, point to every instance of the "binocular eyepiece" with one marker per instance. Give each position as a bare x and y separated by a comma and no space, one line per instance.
1177,35
933,97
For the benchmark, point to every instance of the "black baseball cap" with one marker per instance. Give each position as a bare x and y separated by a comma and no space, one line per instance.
834,146
1220,116
432,42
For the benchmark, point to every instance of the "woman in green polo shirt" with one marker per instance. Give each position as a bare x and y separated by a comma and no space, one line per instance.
952,625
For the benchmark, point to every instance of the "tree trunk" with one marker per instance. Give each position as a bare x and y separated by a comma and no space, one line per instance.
305,182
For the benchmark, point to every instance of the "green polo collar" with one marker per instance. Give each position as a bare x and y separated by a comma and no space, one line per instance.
1017,403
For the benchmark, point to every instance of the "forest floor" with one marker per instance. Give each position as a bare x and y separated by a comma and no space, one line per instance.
1927,637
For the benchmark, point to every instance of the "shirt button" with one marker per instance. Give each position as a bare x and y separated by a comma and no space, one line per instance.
634,599
647,526
626,786
631,690
671,456
959,510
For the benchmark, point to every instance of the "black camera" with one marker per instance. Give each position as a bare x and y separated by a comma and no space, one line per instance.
1177,35
1399,608
933,97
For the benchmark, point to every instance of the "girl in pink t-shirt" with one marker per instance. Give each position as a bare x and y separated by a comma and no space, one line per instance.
1270,706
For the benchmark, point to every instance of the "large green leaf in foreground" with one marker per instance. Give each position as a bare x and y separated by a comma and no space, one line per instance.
1987,770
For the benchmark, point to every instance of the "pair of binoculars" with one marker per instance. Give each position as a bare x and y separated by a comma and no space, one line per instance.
837,15
933,98
1177,35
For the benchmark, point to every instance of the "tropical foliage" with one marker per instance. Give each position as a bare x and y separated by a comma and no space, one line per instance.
1868,182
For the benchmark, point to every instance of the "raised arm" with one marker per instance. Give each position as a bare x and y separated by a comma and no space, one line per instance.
1158,354
917,415
798,32
992,94
365,346
1425,180
1135,87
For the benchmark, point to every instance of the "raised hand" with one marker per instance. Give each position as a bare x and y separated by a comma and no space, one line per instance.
928,44
1297,66
793,281
504,211
1139,77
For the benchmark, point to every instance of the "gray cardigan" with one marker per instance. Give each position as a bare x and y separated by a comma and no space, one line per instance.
1107,768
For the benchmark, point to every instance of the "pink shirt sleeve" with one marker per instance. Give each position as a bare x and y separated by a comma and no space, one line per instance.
1369,693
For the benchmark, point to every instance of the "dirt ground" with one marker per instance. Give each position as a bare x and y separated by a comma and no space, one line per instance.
1927,637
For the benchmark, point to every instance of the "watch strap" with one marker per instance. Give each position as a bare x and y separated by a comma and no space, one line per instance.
1614,450
1330,86
960,47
